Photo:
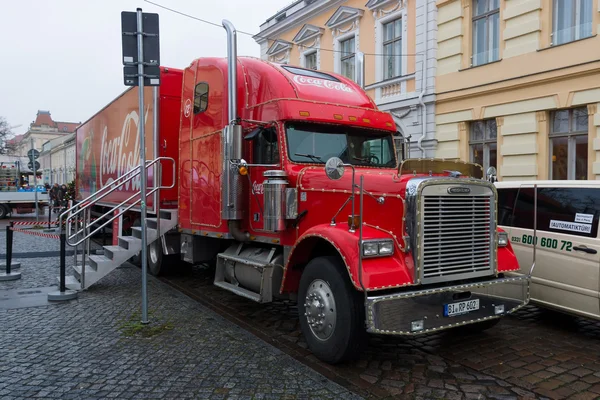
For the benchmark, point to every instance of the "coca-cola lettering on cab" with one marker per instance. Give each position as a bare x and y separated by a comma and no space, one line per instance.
257,188
326,84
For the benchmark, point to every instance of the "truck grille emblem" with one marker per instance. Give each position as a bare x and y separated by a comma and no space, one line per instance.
459,190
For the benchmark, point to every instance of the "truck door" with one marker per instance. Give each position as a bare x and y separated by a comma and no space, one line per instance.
567,272
265,151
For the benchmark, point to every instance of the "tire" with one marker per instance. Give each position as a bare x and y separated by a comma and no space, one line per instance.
338,333
155,258
4,211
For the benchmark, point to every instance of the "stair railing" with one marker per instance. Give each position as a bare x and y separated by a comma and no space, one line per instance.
81,212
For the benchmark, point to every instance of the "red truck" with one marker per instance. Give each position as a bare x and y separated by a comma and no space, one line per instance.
288,181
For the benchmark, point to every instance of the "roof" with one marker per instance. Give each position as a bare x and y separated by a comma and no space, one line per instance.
44,118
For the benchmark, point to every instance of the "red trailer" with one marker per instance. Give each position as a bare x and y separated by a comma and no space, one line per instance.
289,182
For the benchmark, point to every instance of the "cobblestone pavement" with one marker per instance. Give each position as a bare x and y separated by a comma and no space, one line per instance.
533,354
94,347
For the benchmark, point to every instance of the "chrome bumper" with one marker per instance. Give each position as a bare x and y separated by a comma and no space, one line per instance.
393,314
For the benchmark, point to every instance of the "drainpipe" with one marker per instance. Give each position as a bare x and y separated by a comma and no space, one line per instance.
232,145
424,84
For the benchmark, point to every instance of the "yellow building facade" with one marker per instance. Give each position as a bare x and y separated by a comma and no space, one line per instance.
518,86
397,38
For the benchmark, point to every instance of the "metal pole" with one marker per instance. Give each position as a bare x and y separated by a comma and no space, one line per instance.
9,240
37,212
63,256
65,165
143,172
360,237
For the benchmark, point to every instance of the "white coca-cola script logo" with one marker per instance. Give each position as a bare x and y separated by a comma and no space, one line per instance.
122,153
187,108
257,188
308,81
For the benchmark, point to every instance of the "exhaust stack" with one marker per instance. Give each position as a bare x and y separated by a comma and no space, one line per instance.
232,142
359,66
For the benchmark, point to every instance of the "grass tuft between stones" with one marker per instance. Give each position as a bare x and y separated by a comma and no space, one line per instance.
134,327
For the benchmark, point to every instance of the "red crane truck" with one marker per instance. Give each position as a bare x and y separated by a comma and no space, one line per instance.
287,179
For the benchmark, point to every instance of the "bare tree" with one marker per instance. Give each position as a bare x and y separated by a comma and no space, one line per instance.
6,147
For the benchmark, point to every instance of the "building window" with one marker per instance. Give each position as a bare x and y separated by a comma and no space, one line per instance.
392,49
572,20
483,143
486,31
347,57
200,97
569,144
310,60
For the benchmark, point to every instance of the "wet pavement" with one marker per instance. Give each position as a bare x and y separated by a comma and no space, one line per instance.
532,354
96,348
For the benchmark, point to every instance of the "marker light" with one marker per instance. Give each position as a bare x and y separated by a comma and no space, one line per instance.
339,117
351,118
502,239
499,309
304,114
243,171
417,325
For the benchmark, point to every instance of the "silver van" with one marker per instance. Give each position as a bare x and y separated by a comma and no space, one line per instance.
567,272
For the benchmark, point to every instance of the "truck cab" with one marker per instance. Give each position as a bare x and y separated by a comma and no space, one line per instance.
290,180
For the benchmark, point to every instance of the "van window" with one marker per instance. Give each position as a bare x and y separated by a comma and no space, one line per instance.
573,211
200,97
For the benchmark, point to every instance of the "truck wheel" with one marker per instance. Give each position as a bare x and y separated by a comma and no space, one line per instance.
155,258
3,211
331,311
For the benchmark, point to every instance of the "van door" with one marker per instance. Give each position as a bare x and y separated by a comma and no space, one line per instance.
567,272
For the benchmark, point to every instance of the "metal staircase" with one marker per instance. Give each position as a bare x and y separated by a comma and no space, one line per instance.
89,268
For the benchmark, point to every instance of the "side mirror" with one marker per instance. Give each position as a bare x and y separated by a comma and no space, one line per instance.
491,174
334,168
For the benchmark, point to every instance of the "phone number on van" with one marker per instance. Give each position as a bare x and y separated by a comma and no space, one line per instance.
548,243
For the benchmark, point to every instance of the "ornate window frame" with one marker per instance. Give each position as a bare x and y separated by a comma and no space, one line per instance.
385,11
308,40
349,18
279,51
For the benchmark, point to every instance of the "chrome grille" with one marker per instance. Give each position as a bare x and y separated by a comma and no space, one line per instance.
457,234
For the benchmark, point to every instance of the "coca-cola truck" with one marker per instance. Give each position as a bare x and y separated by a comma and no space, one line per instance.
288,181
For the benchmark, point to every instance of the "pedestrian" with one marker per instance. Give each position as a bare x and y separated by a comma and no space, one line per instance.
54,200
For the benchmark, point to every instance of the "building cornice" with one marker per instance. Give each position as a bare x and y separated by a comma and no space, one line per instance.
343,15
307,32
296,19
279,46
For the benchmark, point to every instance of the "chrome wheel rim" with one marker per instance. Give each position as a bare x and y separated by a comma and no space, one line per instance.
320,310
153,253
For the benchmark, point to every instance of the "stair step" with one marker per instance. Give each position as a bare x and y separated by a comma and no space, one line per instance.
90,273
117,253
70,282
128,241
96,261
152,222
150,233
168,214
240,291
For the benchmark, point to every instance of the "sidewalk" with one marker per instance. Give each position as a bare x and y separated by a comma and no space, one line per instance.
95,347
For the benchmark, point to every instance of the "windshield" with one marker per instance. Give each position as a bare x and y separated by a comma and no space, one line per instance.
313,143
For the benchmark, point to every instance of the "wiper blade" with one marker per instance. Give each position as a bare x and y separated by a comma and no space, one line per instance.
311,156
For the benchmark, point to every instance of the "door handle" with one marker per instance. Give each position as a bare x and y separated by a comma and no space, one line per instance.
587,250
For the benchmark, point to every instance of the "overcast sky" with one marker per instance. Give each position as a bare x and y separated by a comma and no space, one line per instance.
65,55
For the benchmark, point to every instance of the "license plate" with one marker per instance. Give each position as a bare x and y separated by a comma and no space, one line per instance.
462,307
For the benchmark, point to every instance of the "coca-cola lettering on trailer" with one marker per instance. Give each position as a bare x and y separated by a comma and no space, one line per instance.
112,139
323,83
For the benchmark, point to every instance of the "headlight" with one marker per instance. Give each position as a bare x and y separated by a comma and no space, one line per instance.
502,239
370,249
374,248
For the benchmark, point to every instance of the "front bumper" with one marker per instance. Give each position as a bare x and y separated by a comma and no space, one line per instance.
393,314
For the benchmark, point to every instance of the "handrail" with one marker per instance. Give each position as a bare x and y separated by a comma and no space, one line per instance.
89,202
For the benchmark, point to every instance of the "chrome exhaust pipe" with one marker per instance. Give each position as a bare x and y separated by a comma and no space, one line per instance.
232,184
